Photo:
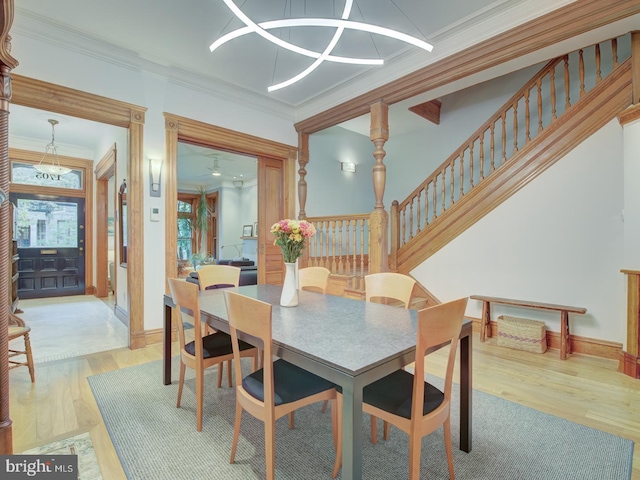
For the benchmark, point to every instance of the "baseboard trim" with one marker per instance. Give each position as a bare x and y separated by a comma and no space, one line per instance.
155,335
629,365
578,344
121,315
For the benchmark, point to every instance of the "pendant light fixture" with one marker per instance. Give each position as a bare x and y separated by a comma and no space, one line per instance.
338,24
49,162
216,168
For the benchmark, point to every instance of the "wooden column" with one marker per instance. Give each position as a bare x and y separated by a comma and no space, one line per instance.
630,359
303,159
7,63
379,219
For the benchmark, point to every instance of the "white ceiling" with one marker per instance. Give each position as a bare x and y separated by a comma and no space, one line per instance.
173,38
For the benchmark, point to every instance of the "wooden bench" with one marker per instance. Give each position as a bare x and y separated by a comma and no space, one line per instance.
485,325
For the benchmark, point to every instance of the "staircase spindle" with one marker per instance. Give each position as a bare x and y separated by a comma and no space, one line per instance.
333,246
614,51
418,216
515,127
340,265
470,165
347,258
435,189
444,183
493,146
581,71
462,174
598,69
552,81
539,86
404,225
527,117
504,138
426,205
451,188
362,222
410,220
567,97
481,157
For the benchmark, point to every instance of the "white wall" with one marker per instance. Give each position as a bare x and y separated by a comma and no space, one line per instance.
631,196
44,60
558,240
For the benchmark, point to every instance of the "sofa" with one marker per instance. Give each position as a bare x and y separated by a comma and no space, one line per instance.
248,273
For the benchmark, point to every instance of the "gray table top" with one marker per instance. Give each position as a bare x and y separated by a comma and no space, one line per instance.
353,336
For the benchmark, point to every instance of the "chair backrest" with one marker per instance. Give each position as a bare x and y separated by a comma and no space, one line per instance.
185,295
209,275
437,325
252,317
313,278
389,285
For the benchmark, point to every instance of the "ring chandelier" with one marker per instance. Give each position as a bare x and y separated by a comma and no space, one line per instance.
339,24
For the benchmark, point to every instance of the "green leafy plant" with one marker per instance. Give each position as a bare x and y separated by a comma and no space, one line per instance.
202,219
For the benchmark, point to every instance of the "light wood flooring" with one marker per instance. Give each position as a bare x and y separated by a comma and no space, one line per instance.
583,389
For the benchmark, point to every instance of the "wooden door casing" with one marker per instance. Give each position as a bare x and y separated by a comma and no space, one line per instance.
271,208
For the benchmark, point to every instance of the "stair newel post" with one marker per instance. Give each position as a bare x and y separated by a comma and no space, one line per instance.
379,219
394,225
303,159
7,63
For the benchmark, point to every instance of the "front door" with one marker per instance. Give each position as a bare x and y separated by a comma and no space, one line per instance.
50,234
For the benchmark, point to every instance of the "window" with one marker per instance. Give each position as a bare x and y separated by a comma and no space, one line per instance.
185,230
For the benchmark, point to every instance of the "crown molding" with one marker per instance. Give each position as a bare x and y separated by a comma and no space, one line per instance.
47,30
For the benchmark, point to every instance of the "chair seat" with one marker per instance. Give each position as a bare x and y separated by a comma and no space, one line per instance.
216,345
291,383
393,394
16,331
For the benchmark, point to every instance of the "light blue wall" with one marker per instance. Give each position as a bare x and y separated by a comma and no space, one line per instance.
330,191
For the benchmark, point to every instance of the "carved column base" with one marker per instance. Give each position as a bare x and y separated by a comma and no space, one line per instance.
629,365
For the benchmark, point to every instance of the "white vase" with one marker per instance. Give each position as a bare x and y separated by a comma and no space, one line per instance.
289,297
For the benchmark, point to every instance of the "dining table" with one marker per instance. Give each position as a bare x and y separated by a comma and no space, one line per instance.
351,343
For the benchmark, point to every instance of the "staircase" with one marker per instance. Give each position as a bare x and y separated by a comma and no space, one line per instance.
568,100
534,129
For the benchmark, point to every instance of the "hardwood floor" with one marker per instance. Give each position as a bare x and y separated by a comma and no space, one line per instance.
583,389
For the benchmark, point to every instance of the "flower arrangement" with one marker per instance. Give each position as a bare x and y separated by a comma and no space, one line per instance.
291,236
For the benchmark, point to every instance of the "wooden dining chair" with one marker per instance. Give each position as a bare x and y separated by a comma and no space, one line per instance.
18,328
389,285
313,279
202,352
409,402
219,276
276,389
385,286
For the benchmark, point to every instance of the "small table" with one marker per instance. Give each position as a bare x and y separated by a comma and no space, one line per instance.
349,342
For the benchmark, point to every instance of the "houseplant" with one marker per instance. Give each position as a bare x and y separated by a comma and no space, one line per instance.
290,237
201,222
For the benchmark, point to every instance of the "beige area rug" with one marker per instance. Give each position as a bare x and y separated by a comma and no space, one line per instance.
66,327
80,445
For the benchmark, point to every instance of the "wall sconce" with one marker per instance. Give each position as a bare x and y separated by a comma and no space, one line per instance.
348,167
155,169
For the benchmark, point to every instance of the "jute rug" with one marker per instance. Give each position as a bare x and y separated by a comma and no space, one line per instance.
155,440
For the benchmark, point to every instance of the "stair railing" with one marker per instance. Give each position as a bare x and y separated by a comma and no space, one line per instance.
341,244
539,103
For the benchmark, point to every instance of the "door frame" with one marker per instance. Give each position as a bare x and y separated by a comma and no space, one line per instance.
185,129
33,158
104,170
54,98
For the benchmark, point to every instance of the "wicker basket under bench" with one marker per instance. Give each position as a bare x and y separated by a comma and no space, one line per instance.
485,327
